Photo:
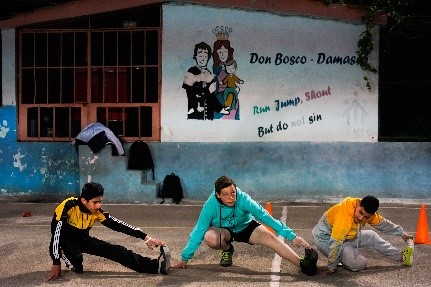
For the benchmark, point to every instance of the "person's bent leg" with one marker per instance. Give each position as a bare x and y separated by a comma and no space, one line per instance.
321,241
121,255
370,239
262,236
219,238
352,259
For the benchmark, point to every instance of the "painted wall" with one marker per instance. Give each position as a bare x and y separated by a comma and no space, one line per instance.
272,171
297,78
267,168
34,169
301,169
30,168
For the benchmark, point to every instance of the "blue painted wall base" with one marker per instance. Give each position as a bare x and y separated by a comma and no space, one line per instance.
300,171
121,184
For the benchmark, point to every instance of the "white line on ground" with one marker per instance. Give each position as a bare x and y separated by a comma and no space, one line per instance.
276,262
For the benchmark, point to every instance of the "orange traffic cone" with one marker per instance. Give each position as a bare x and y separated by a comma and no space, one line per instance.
268,208
422,234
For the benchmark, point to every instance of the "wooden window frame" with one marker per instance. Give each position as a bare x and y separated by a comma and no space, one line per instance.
31,129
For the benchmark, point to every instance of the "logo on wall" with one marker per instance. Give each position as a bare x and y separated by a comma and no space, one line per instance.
213,95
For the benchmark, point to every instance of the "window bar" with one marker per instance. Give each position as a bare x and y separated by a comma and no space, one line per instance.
139,121
38,122
145,67
89,75
74,66
34,69
53,123
117,69
61,68
46,69
103,68
69,126
131,68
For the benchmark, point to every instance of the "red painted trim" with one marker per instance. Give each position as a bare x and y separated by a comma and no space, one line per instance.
313,8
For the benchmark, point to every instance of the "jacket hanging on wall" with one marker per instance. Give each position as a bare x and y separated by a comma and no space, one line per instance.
96,136
140,157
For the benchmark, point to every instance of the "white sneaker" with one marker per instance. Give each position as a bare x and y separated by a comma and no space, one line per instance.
225,111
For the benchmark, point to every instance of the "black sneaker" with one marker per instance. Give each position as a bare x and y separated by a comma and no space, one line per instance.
226,257
308,262
164,260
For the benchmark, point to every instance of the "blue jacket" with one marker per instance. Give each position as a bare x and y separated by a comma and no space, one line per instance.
234,218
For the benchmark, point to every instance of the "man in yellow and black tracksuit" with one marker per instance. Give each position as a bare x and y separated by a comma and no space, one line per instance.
70,226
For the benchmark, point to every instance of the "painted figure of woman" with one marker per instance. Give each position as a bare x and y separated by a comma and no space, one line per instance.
223,52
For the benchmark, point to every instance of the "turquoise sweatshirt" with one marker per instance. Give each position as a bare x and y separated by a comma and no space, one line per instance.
235,218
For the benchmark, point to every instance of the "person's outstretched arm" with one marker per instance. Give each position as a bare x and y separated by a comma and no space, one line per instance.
123,227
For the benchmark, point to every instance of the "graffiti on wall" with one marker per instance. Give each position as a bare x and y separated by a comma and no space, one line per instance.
280,105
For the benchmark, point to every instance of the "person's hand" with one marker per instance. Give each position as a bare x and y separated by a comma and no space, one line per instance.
152,242
300,242
212,88
324,270
406,236
54,273
181,264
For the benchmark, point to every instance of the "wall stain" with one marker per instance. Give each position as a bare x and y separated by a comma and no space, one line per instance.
17,163
4,129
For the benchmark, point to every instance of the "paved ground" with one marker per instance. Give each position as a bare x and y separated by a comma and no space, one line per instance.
24,258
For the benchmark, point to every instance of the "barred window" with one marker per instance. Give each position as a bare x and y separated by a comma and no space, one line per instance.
103,69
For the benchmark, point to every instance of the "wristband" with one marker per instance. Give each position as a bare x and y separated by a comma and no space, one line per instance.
146,241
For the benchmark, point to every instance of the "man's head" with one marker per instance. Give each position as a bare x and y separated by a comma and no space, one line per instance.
366,208
202,54
370,204
92,195
225,189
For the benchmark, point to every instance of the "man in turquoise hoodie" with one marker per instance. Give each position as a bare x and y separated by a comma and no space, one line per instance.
230,215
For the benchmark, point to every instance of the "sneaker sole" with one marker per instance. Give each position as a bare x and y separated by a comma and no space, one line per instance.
166,253
408,251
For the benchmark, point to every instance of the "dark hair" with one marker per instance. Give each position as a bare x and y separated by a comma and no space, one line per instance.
202,46
223,182
370,204
91,190
217,45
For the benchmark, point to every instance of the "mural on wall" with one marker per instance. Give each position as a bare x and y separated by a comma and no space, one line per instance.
200,85
213,95
224,67
301,79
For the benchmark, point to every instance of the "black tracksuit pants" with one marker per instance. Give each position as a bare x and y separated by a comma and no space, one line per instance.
73,250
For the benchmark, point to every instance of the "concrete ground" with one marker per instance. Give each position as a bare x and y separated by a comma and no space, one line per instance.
24,258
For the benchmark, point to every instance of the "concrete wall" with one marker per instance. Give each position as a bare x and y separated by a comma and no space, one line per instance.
273,171
34,168
287,171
